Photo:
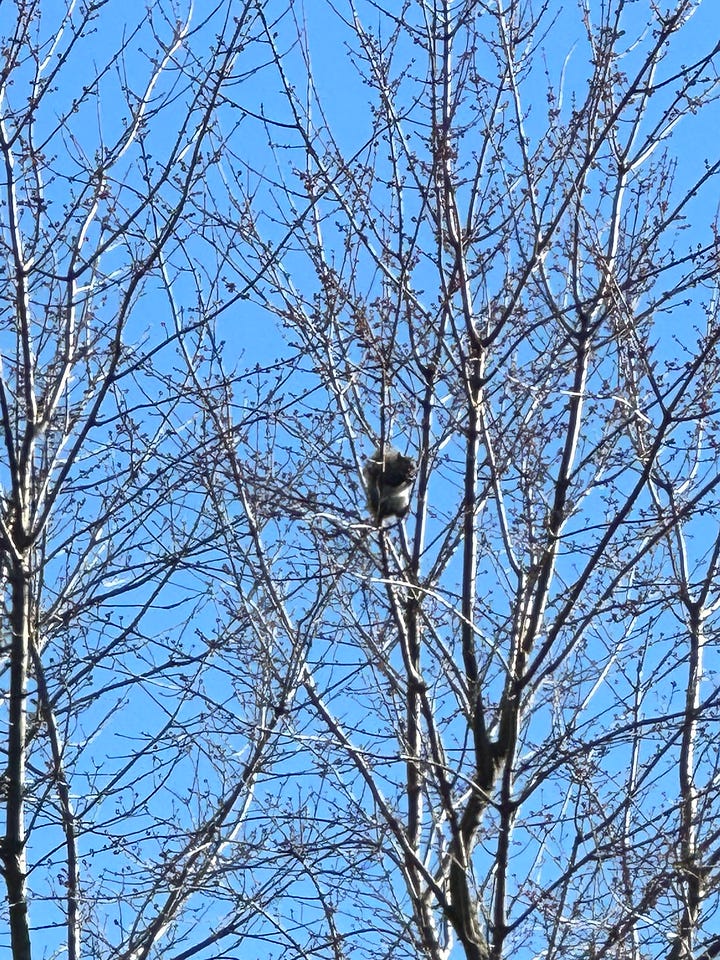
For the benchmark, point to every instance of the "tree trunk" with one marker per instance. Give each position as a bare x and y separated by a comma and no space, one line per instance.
14,845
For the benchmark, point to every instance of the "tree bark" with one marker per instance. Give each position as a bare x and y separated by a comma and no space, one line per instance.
13,853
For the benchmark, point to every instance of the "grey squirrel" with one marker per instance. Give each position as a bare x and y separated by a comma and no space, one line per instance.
389,477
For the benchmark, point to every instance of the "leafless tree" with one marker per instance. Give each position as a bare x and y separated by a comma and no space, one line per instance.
510,272
241,253
138,707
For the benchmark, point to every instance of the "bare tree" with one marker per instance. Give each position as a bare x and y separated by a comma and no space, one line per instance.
510,272
137,708
241,713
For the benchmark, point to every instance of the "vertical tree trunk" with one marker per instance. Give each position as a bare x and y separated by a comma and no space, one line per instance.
14,844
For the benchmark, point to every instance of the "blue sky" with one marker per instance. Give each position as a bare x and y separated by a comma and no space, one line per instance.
217,253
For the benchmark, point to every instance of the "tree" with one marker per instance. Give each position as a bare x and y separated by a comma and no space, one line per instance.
515,265
241,716
135,719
